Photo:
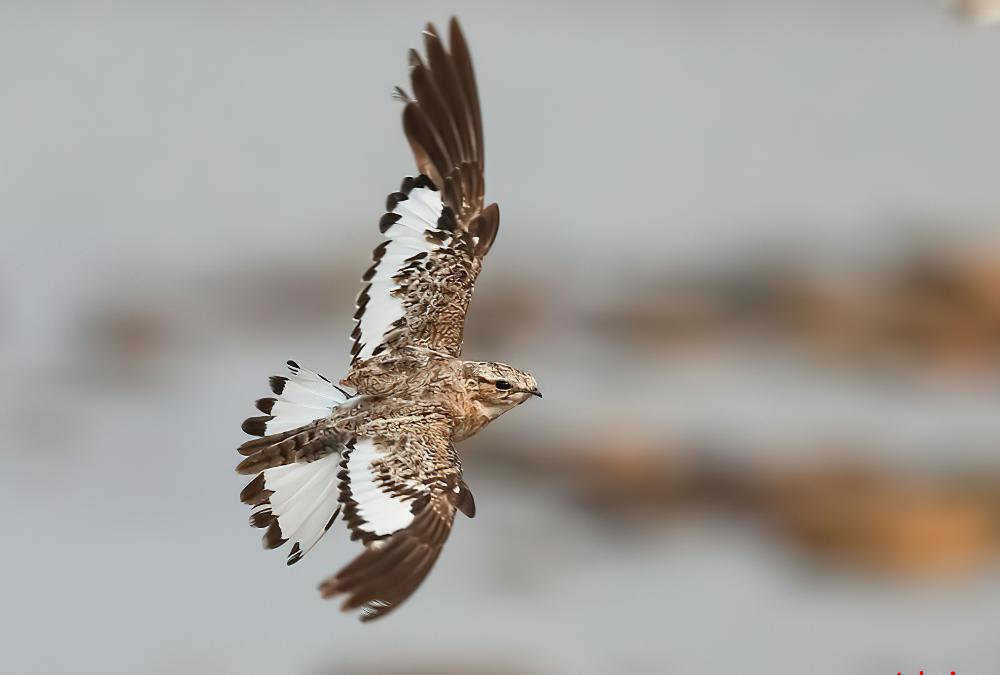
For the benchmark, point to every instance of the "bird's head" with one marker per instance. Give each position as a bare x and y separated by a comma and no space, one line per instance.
496,387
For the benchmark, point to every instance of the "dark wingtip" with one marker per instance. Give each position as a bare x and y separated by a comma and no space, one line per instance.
466,504
387,221
256,426
272,537
255,493
413,57
393,199
261,519
277,383
424,181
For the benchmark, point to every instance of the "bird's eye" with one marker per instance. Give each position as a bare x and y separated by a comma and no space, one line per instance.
503,385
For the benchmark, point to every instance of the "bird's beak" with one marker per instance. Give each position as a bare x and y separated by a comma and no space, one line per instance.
535,392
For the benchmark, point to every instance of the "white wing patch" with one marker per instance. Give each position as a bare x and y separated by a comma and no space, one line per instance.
305,500
379,305
373,509
301,397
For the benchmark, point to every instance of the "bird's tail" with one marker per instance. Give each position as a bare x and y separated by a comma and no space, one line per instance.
295,497
300,397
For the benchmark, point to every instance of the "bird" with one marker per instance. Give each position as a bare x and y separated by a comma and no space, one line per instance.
377,449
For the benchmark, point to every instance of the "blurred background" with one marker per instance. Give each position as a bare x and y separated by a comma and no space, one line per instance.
751,251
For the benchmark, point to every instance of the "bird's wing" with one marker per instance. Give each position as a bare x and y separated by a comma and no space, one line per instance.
400,488
438,231
444,126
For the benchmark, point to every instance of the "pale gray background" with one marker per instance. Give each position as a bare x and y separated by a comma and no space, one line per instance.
165,155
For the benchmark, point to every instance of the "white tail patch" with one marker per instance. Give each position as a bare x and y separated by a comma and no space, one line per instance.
296,502
305,500
373,509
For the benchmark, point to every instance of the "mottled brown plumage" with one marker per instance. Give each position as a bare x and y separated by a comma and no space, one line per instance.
385,458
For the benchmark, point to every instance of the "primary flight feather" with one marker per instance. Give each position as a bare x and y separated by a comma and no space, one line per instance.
384,457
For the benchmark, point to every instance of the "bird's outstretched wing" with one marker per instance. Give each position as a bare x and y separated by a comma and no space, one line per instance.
399,496
438,231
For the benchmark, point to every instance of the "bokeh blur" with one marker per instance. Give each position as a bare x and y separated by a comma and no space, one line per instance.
751,251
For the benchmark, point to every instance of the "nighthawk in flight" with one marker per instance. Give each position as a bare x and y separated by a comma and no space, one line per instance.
384,458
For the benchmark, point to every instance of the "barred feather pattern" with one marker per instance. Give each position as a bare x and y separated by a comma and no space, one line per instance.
438,229
400,499
421,278
295,496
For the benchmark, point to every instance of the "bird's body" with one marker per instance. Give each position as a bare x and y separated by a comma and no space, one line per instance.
444,381
384,457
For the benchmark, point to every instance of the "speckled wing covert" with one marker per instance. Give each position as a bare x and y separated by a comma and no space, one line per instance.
437,229
400,495
387,465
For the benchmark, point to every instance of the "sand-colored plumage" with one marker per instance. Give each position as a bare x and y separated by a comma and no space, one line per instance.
384,458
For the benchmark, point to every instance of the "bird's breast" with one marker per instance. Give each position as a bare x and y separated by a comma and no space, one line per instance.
468,425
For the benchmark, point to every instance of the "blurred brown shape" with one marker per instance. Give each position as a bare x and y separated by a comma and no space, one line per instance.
978,11
128,341
839,513
935,308
938,307
878,520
